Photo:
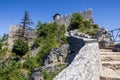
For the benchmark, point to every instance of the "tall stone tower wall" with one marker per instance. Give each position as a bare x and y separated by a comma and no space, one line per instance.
87,14
18,32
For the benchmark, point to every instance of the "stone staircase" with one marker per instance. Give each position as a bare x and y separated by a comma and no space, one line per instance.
110,65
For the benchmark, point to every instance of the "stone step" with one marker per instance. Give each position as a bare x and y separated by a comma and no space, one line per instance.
110,57
105,50
110,62
109,74
109,53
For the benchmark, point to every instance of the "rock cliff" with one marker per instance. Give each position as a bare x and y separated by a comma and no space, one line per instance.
81,55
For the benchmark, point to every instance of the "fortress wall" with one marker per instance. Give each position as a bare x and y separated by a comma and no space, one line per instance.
66,19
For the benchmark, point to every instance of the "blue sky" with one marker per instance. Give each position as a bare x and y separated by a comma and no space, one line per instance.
106,13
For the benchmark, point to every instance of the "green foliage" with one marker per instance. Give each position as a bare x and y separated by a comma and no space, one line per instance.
49,76
26,21
46,75
50,36
20,47
30,63
11,72
4,37
76,21
85,26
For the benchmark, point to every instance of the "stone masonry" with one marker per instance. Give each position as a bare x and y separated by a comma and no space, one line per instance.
17,32
66,19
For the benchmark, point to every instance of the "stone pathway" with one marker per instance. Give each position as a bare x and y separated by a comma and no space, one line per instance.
110,65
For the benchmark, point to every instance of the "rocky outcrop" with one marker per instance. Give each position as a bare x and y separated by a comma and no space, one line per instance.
34,52
81,55
51,69
57,55
116,48
37,75
85,65
104,38
79,34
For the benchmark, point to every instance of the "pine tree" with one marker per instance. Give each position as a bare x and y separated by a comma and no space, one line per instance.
26,21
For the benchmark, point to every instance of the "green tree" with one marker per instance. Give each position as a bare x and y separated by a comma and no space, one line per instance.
20,47
76,21
26,21
30,63
85,26
11,72
50,36
4,37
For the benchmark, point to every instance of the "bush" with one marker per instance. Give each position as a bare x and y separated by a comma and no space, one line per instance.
11,72
76,21
51,76
85,26
20,47
30,64
50,36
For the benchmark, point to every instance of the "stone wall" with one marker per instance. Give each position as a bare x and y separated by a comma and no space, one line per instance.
66,19
17,32
85,65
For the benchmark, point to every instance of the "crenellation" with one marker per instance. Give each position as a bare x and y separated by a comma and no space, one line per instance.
66,19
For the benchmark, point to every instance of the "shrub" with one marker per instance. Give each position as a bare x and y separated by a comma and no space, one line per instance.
50,36
46,75
85,26
76,21
20,47
11,72
51,76
30,63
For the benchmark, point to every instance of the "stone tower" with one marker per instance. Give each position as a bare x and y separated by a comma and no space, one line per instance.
18,32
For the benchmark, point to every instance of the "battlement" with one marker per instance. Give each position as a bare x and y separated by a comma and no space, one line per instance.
16,30
66,19
15,27
87,14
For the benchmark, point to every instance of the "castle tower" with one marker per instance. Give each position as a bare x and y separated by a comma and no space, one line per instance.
57,17
16,32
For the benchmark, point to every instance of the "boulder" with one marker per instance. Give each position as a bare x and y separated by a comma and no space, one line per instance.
104,38
57,55
36,74
116,48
